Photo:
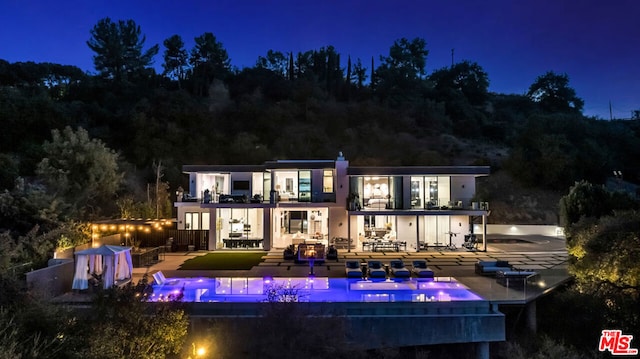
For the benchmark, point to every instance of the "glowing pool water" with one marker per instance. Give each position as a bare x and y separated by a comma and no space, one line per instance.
313,289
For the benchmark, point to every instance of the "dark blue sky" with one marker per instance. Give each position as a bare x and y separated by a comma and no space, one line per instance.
597,43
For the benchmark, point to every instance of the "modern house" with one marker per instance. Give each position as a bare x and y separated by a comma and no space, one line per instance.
289,202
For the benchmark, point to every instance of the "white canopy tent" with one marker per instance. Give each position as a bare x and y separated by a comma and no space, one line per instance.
112,262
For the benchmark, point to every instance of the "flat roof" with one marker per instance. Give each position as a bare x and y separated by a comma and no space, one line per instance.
351,171
223,168
419,170
303,164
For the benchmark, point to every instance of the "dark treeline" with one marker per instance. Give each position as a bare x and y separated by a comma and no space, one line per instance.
306,105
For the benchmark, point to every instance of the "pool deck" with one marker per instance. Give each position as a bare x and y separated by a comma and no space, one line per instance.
545,255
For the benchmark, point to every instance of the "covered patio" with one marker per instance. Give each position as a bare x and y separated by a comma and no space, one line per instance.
107,265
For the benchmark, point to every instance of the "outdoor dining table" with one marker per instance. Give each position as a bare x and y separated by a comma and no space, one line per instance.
242,242
381,245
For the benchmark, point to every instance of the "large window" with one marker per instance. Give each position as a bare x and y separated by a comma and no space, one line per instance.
286,185
327,181
296,222
417,192
430,192
206,218
192,220
239,228
304,184
376,192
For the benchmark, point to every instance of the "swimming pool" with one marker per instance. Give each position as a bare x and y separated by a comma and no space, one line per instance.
313,289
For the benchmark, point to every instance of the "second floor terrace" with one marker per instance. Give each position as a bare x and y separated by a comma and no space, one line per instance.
334,182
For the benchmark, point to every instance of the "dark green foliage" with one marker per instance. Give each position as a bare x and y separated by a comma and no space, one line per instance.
555,150
298,105
31,327
552,92
135,328
399,79
79,171
118,47
209,61
465,77
603,242
586,200
175,59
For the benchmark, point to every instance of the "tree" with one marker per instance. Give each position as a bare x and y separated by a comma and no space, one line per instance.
210,61
400,74
407,59
604,263
583,200
134,328
118,47
359,74
28,206
552,92
275,61
175,59
80,171
467,77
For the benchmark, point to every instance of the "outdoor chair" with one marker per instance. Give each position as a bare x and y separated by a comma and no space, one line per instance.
160,279
398,269
353,269
376,270
421,270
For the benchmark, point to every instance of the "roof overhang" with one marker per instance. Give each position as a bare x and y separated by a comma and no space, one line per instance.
420,170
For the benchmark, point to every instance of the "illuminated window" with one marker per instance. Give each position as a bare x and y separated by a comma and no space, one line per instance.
327,181
205,220
192,220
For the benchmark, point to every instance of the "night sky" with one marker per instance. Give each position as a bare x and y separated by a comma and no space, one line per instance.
595,42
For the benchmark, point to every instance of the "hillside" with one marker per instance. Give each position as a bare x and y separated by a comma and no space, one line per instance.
512,203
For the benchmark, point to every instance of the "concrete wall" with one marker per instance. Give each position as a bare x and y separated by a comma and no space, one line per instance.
54,280
380,325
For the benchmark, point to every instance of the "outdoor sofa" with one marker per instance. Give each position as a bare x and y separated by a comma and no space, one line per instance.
491,267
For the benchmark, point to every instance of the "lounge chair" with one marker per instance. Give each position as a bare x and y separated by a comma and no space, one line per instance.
376,270
160,279
398,269
352,269
421,270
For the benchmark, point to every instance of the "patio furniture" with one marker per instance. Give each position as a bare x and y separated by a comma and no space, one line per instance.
144,257
160,279
382,245
398,269
421,270
470,242
353,269
332,253
491,267
112,263
289,253
375,269
514,278
343,243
